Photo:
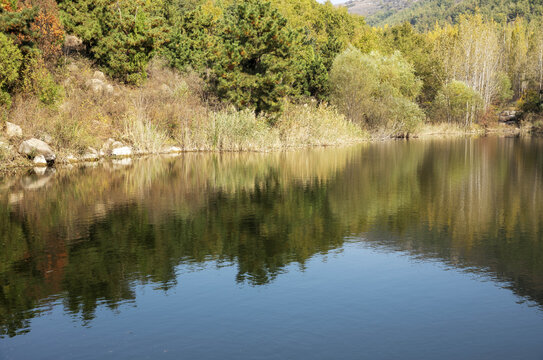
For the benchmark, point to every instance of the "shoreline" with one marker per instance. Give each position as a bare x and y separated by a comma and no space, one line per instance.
429,131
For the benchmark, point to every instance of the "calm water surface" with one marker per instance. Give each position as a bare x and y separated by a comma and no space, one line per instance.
397,250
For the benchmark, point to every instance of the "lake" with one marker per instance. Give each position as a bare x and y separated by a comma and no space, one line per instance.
422,249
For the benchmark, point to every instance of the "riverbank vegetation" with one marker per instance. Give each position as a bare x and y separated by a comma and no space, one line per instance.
250,75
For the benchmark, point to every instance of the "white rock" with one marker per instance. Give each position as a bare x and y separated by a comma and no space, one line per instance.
106,147
121,151
171,150
91,154
34,147
96,85
13,130
40,161
108,89
99,75
117,144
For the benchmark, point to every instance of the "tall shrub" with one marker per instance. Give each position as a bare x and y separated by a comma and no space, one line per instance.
377,91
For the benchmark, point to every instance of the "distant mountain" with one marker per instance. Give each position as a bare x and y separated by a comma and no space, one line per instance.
369,7
424,14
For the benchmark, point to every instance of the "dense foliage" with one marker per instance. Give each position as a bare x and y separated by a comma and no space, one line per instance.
121,35
425,14
262,55
377,90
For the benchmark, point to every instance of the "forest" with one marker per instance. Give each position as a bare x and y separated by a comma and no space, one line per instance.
252,75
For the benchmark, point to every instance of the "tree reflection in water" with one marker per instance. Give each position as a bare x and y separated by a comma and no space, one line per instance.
87,236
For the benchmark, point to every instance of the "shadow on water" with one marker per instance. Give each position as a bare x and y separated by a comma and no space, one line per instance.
87,236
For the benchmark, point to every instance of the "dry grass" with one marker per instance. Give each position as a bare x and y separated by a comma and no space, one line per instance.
141,131
169,109
317,125
232,130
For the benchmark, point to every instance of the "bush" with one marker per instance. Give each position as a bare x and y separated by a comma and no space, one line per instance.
10,63
376,91
354,79
38,80
531,102
457,103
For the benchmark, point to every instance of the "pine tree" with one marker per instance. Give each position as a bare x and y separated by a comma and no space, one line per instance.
121,35
254,64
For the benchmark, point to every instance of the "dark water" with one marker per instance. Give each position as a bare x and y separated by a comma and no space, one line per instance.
398,250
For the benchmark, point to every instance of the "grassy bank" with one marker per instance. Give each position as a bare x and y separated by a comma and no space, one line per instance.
170,109
173,110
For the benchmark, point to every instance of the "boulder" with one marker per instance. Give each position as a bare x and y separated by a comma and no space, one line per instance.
34,147
40,161
13,130
508,116
171,150
73,44
91,154
99,75
117,144
96,85
108,89
106,147
121,151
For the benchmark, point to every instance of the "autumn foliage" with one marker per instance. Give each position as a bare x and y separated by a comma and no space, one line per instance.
33,24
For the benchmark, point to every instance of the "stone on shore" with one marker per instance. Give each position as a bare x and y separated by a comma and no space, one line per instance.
13,130
34,147
171,150
91,154
105,150
40,161
121,151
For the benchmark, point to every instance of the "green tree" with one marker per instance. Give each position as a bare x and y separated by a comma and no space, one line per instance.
454,103
255,61
416,49
377,91
193,39
121,35
10,62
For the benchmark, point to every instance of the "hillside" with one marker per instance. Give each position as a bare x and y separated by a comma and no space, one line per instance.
424,14
368,8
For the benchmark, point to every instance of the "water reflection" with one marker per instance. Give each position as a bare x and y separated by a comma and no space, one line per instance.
86,236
